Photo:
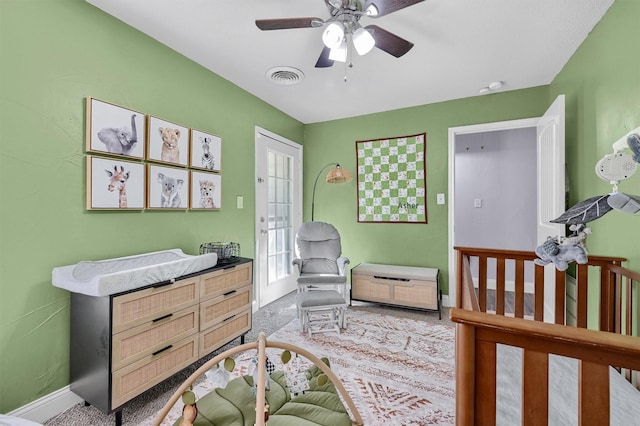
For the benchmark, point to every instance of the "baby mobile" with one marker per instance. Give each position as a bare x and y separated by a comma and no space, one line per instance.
613,168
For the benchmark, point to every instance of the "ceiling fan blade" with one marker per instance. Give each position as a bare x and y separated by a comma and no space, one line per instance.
386,7
323,60
389,42
286,23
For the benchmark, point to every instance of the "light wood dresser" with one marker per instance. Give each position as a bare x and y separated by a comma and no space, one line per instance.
126,343
406,286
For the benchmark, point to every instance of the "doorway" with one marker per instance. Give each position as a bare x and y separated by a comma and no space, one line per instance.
278,214
548,132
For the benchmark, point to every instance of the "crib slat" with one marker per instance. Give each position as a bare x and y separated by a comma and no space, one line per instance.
593,394
629,317
485,392
618,308
535,387
482,282
606,299
582,289
561,291
519,308
500,285
539,293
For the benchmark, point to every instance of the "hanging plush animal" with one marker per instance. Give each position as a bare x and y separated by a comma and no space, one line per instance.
564,250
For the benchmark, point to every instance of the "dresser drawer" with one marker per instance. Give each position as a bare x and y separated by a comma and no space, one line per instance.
136,308
224,332
369,288
222,281
138,342
218,309
416,294
135,378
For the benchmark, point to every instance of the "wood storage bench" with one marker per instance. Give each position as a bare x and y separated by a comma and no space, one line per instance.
405,286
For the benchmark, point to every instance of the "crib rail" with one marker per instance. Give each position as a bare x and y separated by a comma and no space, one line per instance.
510,266
477,334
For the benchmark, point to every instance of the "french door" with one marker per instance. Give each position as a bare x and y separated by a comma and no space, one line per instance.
278,214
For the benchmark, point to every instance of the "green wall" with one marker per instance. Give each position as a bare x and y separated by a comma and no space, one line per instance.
602,87
54,54
403,244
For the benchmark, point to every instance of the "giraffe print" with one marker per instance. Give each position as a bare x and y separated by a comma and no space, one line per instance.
118,181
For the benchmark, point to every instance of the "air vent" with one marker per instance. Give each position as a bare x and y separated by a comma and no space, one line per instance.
285,76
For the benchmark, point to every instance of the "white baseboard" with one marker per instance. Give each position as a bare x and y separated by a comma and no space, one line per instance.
48,406
445,301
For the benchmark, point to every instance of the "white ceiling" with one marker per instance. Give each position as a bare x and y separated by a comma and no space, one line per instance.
460,46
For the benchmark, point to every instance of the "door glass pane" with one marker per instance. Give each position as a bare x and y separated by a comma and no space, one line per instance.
280,207
272,164
271,190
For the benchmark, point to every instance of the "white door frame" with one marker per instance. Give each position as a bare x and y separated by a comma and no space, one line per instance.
297,217
453,132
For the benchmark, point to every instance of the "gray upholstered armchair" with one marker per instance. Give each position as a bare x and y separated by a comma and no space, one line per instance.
322,294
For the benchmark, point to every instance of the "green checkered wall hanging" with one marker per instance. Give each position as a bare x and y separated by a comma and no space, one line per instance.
392,185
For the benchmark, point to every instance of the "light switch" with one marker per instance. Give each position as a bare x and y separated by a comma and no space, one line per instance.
477,203
240,202
440,198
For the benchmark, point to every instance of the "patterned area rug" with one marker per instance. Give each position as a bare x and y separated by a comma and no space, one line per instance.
398,371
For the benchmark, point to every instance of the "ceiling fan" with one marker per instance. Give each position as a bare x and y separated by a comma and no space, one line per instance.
344,26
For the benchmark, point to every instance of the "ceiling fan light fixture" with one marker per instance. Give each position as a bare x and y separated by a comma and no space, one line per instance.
339,54
371,10
363,41
333,35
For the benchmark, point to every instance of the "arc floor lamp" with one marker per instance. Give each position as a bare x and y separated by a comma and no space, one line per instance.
335,175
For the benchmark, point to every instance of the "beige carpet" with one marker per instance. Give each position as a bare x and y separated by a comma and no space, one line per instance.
399,371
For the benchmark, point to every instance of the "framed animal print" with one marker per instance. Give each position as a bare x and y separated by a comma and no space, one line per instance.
167,142
206,151
206,191
168,187
115,130
115,184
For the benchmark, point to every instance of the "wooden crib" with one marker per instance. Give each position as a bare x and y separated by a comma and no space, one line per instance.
499,277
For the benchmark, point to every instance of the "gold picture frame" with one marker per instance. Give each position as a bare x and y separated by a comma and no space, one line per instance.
115,130
206,191
115,184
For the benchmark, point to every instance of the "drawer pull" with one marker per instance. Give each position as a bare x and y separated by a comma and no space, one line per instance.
380,277
229,292
163,317
162,350
164,283
227,319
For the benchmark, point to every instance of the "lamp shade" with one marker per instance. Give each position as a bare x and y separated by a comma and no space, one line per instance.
363,41
333,35
338,175
339,53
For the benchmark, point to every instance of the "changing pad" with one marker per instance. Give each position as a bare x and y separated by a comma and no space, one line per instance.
110,276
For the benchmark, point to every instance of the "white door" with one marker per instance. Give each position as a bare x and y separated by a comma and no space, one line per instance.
551,187
550,176
278,214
